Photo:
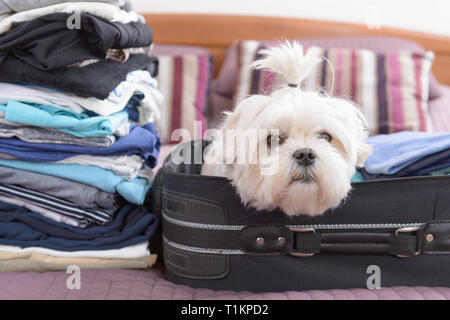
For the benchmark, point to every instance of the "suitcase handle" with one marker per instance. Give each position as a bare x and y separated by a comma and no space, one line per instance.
307,242
432,238
402,243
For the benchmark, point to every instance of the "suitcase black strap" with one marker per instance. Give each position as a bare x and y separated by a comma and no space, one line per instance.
432,238
426,238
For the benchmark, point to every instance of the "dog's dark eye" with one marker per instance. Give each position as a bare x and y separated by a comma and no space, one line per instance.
273,139
325,136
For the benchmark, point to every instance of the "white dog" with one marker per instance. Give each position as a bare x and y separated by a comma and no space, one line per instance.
317,144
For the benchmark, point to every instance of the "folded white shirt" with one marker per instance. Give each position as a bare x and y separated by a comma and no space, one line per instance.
103,10
132,252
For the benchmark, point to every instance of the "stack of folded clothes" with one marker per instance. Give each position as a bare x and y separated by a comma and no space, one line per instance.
78,101
407,154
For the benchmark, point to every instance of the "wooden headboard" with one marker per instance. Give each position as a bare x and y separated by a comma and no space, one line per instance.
217,32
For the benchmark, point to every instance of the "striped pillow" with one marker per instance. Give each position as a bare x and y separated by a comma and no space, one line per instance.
184,81
391,89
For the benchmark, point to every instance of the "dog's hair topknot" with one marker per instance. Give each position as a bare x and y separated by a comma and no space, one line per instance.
288,60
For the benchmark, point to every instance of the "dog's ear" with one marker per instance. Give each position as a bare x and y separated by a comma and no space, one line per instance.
245,112
356,125
364,150
236,124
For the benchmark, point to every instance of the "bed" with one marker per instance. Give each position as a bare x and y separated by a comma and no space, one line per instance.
216,33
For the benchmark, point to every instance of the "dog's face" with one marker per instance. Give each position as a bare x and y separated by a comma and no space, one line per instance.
313,144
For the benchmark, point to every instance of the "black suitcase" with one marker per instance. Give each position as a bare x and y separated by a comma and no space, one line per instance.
397,230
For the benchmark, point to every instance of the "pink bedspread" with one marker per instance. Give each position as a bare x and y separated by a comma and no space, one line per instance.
145,285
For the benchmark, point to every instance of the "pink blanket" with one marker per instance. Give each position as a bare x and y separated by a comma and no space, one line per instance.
145,285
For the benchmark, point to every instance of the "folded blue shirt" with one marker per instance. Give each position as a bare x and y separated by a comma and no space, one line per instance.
143,141
393,152
126,216
80,125
133,191
23,228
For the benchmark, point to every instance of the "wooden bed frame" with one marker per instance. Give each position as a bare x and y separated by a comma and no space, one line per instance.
217,32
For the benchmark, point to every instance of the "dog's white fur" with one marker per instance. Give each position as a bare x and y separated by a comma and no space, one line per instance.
301,117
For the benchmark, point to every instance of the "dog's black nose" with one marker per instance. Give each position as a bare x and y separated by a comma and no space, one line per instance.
305,157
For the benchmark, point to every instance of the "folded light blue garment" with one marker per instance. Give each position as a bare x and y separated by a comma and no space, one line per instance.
80,125
393,152
133,191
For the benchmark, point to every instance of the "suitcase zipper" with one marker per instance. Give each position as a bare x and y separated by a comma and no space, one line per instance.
201,250
370,226
341,227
